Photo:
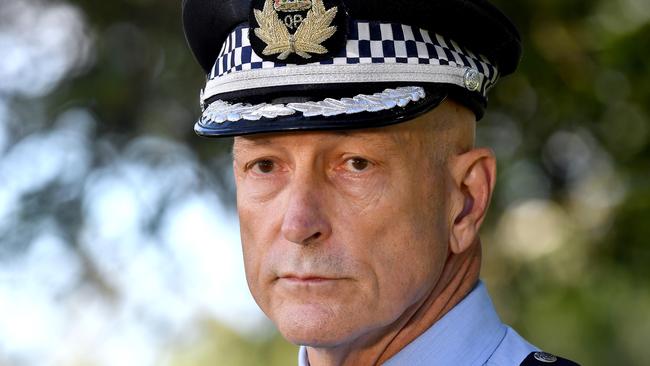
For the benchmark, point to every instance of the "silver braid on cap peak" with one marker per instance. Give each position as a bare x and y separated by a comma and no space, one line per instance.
221,111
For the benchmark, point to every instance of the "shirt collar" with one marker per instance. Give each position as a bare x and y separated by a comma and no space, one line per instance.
467,335
303,360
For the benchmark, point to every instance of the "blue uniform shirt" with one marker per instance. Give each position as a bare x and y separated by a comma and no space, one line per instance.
471,334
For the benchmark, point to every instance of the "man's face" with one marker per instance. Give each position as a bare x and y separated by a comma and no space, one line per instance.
343,232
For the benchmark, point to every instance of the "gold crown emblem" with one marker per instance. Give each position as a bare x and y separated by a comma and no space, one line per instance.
292,5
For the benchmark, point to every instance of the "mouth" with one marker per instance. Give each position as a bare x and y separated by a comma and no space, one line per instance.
306,278
303,285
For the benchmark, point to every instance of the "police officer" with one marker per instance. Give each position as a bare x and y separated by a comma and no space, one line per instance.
359,189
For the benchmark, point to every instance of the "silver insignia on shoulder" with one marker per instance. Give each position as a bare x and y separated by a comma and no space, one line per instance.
545,357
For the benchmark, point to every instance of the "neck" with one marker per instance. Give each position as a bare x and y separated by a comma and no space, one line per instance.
458,278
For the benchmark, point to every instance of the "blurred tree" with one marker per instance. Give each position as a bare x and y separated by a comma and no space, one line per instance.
566,241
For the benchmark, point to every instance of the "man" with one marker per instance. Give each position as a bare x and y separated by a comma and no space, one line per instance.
359,189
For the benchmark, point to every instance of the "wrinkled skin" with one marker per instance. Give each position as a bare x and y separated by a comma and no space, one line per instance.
355,242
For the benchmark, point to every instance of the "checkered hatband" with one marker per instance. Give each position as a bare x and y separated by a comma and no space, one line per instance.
375,52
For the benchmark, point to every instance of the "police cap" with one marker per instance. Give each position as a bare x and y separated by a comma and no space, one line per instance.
283,65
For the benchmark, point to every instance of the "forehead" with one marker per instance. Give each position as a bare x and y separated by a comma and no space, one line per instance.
391,138
448,127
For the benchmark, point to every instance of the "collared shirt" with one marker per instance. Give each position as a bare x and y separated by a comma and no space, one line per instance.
471,334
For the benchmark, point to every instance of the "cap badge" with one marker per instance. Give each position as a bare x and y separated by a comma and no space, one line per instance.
297,31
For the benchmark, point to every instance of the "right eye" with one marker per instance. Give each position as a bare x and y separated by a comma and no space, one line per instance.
263,166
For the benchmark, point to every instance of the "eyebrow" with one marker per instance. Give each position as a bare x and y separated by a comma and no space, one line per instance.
246,142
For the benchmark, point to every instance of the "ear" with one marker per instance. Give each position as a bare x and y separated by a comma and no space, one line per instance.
474,176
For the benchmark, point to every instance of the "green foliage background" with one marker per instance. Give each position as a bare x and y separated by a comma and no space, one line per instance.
566,244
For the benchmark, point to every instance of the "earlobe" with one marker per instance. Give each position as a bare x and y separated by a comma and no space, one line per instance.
474,176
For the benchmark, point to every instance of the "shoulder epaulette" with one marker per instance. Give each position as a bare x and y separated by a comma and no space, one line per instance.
546,359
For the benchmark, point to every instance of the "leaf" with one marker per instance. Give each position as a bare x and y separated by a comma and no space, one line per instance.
315,29
272,31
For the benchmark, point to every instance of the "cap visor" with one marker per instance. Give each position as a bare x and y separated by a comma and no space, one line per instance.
346,121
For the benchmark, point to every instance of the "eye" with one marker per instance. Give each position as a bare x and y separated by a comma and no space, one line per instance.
262,166
357,164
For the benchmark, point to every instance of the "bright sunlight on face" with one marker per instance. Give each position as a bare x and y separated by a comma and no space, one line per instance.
342,232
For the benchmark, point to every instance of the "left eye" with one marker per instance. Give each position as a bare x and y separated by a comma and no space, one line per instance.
357,164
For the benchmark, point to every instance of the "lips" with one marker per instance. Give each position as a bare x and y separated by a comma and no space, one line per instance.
309,284
306,278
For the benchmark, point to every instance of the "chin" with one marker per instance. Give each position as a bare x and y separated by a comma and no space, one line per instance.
314,325
316,337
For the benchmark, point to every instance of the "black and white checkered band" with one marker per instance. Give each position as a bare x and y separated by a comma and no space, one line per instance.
375,52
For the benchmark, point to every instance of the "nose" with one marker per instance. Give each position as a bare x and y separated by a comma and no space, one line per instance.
305,222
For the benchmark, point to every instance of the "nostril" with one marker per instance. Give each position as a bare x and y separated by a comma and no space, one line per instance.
312,238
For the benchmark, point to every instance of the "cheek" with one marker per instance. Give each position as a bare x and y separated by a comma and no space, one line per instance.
405,246
257,217
407,262
250,251
256,230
